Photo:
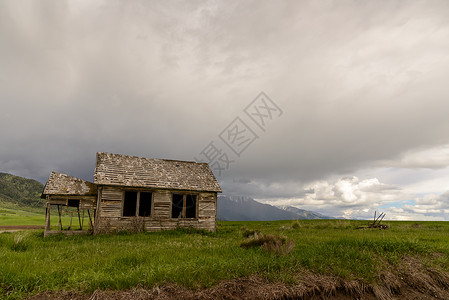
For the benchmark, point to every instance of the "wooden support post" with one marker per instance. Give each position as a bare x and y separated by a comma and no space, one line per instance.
47,217
82,220
97,211
71,217
90,219
59,212
79,218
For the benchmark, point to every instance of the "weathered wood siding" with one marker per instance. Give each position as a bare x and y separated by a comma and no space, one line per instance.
109,212
86,202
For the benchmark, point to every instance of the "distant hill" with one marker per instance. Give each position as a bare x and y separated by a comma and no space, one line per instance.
306,214
238,208
15,190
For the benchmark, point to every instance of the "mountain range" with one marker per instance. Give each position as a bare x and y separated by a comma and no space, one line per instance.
239,208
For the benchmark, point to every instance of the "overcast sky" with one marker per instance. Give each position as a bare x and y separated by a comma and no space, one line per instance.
356,118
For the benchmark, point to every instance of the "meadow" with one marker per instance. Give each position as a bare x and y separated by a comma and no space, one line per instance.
11,214
192,259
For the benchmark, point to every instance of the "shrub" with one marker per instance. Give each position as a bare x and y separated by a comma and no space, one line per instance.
275,244
296,225
246,233
285,228
138,224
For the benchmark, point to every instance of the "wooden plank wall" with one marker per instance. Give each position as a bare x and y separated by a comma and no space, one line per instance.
111,203
110,211
162,204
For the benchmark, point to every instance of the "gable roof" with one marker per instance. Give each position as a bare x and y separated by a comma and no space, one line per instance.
133,171
62,184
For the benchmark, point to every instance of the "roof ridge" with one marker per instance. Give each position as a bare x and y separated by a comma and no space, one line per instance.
56,172
141,157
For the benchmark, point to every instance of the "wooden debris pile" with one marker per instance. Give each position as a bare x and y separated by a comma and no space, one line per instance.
376,222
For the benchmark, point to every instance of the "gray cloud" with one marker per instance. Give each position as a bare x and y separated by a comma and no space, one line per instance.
360,84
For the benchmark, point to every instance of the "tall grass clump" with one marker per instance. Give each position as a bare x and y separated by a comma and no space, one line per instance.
19,244
271,243
246,233
296,225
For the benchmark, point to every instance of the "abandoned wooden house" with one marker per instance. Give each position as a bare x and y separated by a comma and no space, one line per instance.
134,194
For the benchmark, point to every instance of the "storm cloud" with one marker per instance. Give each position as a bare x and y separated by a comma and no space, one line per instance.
362,87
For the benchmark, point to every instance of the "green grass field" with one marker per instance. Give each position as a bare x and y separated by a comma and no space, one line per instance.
194,259
11,214
15,215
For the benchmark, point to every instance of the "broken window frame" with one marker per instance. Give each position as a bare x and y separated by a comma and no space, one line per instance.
138,203
184,208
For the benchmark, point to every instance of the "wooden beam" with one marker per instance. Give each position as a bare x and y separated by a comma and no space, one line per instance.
90,219
79,219
59,213
82,224
71,217
47,217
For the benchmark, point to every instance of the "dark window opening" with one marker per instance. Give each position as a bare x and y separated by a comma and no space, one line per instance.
183,206
145,204
73,203
177,206
190,206
130,204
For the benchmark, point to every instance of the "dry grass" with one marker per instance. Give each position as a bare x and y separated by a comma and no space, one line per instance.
275,244
19,244
246,233
415,282
296,225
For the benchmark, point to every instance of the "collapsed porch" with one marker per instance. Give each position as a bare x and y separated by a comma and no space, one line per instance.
80,211
72,201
